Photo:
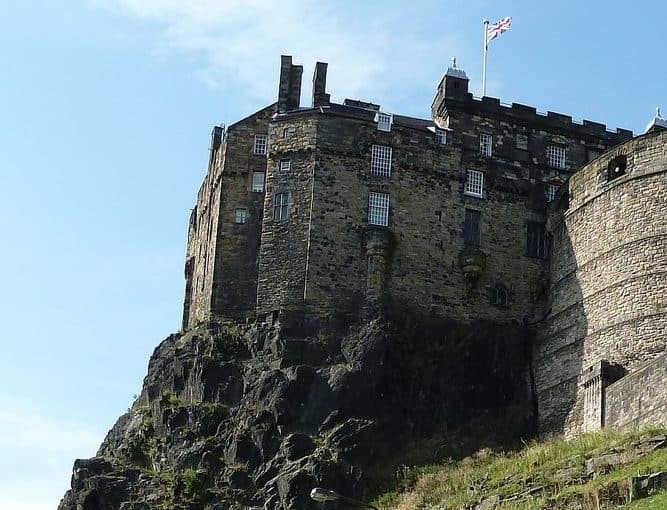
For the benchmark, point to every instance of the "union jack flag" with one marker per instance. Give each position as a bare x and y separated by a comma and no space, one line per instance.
498,28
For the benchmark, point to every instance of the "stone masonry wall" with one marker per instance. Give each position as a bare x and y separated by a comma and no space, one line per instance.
203,241
608,278
284,243
235,281
639,399
427,209
221,259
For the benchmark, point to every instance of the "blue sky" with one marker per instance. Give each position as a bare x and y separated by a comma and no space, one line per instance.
106,109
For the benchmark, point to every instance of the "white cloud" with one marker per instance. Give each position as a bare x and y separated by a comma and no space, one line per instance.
238,42
37,451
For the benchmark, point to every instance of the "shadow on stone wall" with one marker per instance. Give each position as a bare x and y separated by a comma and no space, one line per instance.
558,347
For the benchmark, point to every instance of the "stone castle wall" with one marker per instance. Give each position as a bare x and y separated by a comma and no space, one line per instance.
639,399
221,260
608,277
598,298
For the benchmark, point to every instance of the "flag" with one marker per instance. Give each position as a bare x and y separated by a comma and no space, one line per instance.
498,28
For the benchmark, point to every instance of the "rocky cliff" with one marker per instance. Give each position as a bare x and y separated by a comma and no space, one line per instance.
236,416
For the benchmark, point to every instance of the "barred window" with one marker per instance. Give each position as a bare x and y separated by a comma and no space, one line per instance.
260,144
474,185
441,136
535,246
384,121
556,156
381,160
258,182
281,206
485,144
551,191
471,227
240,216
378,209
285,165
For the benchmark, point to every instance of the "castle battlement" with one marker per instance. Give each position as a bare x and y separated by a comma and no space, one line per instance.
331,209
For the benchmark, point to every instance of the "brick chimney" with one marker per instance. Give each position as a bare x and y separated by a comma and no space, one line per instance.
320,96
289,88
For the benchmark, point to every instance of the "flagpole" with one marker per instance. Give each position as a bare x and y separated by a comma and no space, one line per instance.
486,50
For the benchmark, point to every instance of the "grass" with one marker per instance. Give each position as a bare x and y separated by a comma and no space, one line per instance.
656,502
540,473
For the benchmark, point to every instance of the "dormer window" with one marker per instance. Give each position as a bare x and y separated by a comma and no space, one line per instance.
384,121
616,167
556,156
441,136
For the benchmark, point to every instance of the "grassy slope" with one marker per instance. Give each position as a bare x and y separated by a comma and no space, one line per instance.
536,473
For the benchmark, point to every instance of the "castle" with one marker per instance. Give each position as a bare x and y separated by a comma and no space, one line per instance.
485,211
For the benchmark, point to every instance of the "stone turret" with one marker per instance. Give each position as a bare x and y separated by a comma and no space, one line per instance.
452,87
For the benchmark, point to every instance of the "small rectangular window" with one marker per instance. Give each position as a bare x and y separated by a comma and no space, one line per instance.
556,156
260,144
471,235
240,216
441,136
378,209
535,246
381,160
551,191
474,185
285,165
485,144
281,206
384,121
258,182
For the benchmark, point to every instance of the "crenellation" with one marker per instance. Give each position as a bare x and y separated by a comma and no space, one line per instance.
449,214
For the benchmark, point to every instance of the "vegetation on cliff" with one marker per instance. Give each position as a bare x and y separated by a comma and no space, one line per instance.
591,472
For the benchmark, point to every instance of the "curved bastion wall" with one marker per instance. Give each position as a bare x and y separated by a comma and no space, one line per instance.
608,282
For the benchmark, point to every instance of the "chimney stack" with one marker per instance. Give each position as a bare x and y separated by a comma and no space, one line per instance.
320,96
289,88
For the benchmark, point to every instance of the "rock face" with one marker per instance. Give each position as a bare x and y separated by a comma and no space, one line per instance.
236,416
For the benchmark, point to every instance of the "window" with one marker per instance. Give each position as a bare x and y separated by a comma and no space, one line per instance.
556,156
485,144
384,121
378,209
535,246
551,191
281,206
616,167
474,185
285,165
441,136
522,142
284,133
501,296
471,227
240,216
260,144
258,182
381,160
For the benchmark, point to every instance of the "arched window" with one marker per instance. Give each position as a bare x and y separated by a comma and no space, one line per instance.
501,296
